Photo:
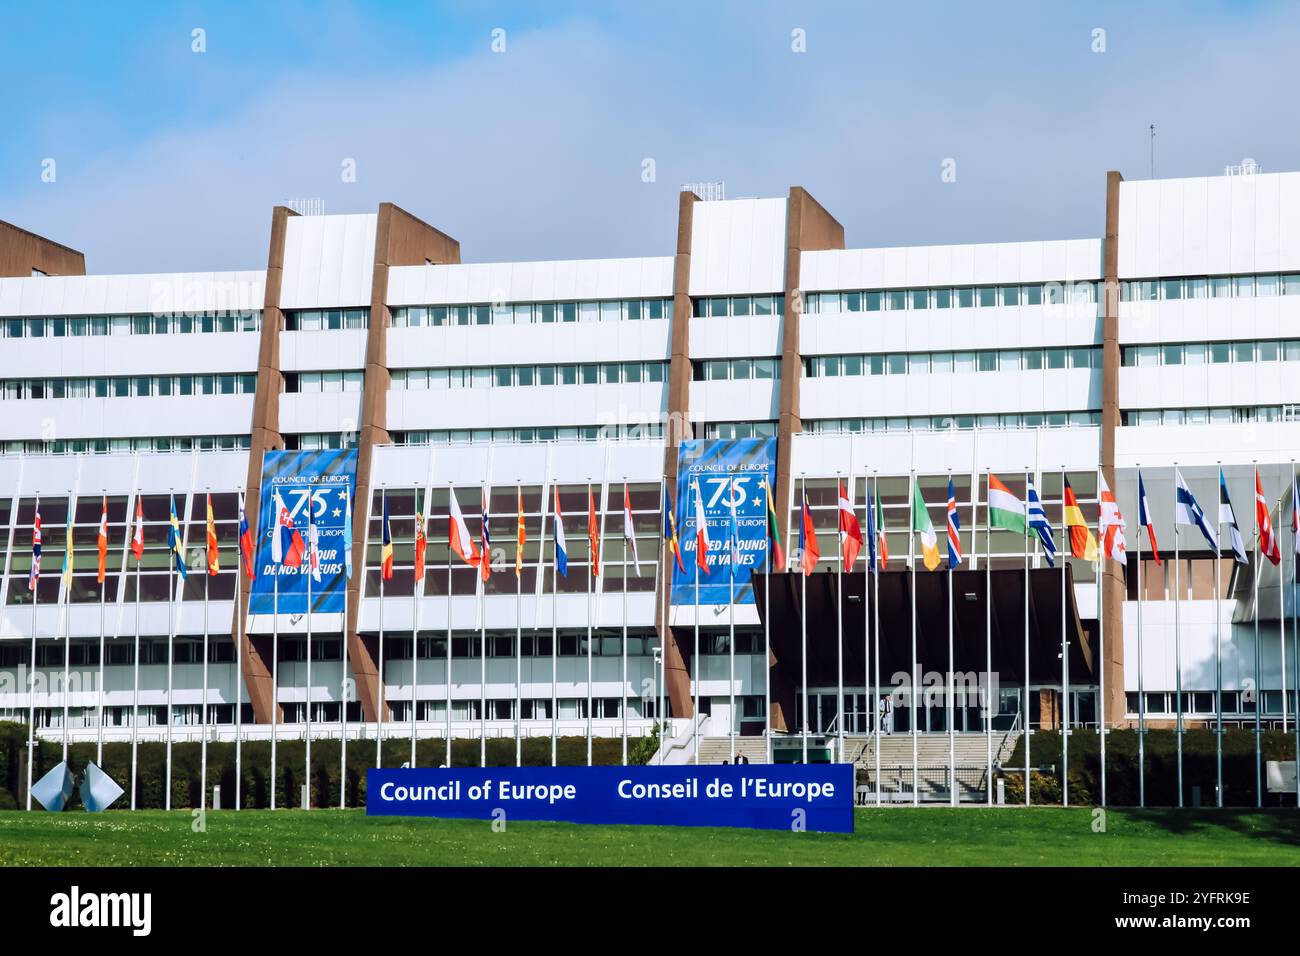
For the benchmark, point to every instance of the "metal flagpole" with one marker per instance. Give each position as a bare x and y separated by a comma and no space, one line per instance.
171,638
1178,647
732,722
203,707
1259,689
447,748
952,737
519,637
67,613
99,683
1142,705
991,706
839,617
767,623
311,575
1295,620
1281,614
31,693
875,606
382,689
911,556
135,687
1025,714
1065,659
1218,649
622,704
555,638
239,666
803,605
869,700
591,565
481,588
695,657
275,662
1101,637
415,616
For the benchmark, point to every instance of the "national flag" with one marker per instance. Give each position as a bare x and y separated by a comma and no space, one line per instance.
1110,523
214,558
1006,511
882,540
421,543
521,537
386,540
313,537
485,539
347,533
101,542
245,539
66,575
1264,526
561,553
1144,518
593,533
137,537
850,531
175,541
34,575
921,523
1187,511
629,538
1295,514
1228,516
775,554
954,529
701,532
1039,524
808,552
1082,542
670,532
287,546
458,538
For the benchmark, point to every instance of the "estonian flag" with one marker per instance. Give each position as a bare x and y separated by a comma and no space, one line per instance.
1228,517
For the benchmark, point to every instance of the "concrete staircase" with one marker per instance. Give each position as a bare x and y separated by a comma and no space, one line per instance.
718,749
932,763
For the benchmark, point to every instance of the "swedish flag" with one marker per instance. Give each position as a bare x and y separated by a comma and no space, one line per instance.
174,541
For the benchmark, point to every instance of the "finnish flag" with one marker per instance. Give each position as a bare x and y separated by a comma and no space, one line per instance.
1188,511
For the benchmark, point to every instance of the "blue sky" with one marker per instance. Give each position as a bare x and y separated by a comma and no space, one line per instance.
167,159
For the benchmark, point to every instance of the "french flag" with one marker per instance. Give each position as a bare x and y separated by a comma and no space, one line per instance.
701,533
287,546
1144,518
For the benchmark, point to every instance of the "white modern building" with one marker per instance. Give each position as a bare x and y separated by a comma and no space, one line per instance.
1171,341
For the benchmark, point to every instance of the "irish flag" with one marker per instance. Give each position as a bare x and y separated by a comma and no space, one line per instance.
921,523
1006,511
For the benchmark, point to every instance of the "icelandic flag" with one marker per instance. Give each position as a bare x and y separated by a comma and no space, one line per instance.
245,539
1144,518
701,532
175,543
1228,517
1039,524
954,527
347,532
287,546
1188,511
561,552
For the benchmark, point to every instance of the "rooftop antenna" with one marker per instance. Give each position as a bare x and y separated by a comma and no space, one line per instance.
1153,150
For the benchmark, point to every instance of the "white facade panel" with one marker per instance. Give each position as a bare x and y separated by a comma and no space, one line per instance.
527,407
738,247
323,350
85,356
751,401
66,418
935,330
328,261
736,336
554,281
135,294
454,346
320,412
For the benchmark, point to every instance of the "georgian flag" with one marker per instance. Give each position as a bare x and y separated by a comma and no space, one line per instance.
702,542
1267,540
850,531
458,533
287,546
628,536
1110,523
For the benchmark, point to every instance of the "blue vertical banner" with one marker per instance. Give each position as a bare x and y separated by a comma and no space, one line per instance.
714,464
326,479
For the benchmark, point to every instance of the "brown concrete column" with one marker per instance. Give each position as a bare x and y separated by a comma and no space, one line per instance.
808,227
400,240
265,434
677,429
1113,591
22,252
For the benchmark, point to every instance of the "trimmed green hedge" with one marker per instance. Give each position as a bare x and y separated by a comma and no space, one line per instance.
1161,767
255,789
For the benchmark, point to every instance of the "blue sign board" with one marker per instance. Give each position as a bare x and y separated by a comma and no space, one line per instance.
725,470
328,480
759,796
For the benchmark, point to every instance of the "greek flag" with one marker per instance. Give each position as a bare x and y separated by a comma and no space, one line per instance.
1188,512
1038,523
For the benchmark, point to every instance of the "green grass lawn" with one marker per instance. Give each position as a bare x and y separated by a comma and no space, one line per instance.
937,836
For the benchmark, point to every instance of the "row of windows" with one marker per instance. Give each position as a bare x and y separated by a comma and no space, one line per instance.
506,376
168,324
641,431
122,386
922,363
1212,416
740,430
1212,353
330,381
938,423
964,297
1202,702
105,446
314,320
736,370
1209,287
738,305
319,441
528,313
